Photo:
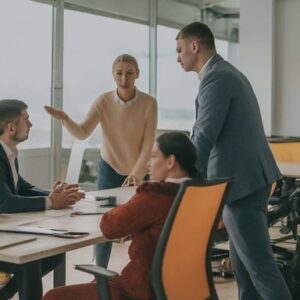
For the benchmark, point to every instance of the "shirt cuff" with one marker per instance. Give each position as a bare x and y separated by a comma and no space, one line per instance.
48,203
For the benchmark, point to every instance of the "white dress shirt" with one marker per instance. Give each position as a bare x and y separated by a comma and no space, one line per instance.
202,71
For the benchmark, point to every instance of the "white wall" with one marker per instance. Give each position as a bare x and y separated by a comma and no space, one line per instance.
256,52
287,68
270,58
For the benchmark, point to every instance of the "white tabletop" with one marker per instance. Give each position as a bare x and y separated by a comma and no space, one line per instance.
289,169
45,246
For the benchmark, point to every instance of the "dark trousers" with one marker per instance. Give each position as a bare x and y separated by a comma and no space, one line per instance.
108,178
257,274
27,279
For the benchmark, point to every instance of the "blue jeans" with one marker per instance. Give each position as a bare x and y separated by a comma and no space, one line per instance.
257,274
108,178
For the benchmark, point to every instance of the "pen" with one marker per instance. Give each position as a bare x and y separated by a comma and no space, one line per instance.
81,213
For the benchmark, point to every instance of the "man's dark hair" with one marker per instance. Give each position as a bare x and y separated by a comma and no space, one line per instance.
10,111
178,144
199,31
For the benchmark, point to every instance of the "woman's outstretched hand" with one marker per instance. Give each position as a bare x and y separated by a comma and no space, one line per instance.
56,113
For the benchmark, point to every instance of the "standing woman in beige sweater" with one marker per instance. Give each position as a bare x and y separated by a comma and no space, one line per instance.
128,119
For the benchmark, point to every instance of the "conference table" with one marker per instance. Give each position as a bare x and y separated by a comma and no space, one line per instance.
82,217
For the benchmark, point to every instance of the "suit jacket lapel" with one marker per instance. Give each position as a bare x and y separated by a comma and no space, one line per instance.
196,106
17,165
4,158
216,58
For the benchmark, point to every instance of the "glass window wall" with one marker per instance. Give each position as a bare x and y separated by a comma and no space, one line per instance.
25,62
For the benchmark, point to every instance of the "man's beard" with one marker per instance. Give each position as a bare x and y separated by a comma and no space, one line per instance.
19,139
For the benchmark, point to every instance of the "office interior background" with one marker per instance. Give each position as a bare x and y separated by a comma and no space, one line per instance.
56,52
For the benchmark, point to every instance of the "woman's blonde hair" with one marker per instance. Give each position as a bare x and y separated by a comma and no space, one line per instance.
127,58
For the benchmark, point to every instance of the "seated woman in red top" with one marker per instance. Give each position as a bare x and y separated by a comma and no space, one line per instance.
172,161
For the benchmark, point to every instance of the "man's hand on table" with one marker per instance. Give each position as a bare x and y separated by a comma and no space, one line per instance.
63,195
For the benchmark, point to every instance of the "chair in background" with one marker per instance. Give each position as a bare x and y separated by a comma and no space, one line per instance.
181,265
285,149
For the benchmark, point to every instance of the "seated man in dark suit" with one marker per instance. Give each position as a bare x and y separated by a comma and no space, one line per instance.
17,195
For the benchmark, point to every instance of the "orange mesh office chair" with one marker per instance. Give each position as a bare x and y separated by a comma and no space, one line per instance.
181,266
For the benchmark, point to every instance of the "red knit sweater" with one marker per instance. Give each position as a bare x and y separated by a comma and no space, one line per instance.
142,217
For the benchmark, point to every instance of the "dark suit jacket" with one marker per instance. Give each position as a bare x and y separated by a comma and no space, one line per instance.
25,197
228,132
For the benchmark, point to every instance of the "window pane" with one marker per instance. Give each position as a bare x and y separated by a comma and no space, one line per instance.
176,89
91,43
25,62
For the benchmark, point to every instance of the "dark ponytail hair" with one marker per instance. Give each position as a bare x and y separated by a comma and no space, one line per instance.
178,144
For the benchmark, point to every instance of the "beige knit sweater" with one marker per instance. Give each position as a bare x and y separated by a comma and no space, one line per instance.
128,130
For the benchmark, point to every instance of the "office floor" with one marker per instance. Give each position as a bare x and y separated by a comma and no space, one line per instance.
226,288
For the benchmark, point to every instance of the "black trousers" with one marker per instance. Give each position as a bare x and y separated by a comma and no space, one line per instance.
27,279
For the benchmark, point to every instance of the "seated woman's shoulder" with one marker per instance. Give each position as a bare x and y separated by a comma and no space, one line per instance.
158,187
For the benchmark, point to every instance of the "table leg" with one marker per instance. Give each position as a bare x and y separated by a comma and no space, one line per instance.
59,275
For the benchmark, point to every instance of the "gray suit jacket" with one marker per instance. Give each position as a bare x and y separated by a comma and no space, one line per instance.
228,132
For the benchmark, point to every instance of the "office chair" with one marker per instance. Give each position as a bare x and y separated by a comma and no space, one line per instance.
288,260
284,149
181,265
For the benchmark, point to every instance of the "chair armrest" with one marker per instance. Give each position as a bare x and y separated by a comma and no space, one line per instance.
102,276
96,271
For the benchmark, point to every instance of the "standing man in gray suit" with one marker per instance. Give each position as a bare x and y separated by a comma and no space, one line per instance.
230,141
